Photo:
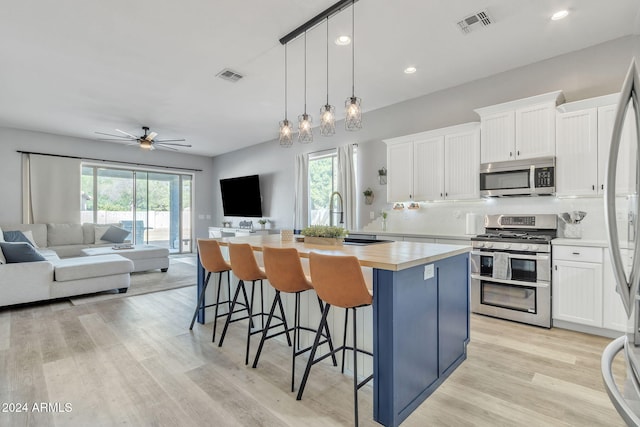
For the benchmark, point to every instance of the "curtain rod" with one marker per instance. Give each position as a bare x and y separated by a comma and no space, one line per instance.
109,161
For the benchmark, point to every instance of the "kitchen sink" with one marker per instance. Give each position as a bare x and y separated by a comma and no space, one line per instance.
353,241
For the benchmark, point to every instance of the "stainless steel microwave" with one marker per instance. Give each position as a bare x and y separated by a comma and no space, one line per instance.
527,177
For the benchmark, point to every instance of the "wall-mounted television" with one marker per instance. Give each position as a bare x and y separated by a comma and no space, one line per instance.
241,196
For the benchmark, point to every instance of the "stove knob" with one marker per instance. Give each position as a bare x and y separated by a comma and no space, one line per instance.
488,245
506,245
534,247
479,245
525,247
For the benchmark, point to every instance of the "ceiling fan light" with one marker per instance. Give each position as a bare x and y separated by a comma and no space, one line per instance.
305,128
147,145
353,120
286,134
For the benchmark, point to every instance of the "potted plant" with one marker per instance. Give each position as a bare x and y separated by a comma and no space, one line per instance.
262,222
368,196
382,175
324,235
384,220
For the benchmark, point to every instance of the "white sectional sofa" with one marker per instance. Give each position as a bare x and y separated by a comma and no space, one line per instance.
65,272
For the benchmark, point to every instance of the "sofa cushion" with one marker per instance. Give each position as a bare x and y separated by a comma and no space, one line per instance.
100,229
48,254
115,234
19,236
1,236
64,234
87,267
15,252
39,232
89,233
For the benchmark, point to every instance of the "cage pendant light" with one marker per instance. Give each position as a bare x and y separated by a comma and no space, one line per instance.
353,119
305,121
286,131
327,111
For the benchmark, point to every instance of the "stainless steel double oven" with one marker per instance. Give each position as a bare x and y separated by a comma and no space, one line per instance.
511,268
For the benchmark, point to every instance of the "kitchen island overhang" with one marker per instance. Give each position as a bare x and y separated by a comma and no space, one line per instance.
420,316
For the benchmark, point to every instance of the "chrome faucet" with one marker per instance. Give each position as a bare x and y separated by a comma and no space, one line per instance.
331,211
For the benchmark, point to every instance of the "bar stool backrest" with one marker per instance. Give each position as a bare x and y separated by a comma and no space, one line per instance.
284,269
211,257
338,280
243,262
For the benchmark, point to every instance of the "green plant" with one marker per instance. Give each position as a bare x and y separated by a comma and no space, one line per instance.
324,231
368,192
384,214
382,172
263,221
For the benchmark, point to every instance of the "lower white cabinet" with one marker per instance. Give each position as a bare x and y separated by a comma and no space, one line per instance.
584,289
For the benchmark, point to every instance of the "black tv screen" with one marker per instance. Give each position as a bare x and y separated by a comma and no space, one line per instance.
241,196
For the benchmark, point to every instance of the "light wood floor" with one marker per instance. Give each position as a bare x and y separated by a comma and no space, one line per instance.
133,361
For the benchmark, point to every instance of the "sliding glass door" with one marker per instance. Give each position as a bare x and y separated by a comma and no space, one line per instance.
154,206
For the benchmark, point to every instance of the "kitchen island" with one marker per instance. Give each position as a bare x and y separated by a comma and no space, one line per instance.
420,316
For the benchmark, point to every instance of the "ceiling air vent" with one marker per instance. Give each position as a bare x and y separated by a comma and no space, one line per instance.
475,21
229,75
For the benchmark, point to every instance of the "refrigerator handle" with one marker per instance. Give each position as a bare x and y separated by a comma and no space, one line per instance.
626,289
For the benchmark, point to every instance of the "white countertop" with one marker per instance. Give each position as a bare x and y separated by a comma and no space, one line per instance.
413,234
596,243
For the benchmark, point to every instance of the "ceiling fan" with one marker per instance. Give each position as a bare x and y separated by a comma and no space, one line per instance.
146,141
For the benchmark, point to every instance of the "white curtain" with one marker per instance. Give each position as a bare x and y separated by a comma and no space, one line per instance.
301,201
51,188
347,185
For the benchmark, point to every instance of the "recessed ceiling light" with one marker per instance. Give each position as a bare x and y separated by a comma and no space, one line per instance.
559,15
410,70
343,40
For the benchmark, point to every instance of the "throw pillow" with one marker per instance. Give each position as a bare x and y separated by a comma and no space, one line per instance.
115,234
15,252
18,236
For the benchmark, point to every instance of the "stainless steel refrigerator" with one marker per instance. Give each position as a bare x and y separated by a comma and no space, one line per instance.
627,398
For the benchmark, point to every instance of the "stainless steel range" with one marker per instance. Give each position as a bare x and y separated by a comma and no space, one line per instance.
511,268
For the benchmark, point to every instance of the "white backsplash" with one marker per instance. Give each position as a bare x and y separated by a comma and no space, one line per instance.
449,218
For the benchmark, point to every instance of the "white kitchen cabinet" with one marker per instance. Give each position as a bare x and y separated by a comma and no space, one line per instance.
577,153
577,292
613,314
434,165
400,171
583,138
521,129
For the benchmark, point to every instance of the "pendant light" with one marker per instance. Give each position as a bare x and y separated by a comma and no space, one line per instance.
286,131
327,111
353,120
305,121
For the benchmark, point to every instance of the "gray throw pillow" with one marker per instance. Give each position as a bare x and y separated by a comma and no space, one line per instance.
15,252
115,234
15,236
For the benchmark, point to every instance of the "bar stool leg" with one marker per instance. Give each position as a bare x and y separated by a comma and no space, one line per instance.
329,340
200,299
296,339
266,329
229,290
355,367
233,305
253,291
312,355
284,319
344,338
215,319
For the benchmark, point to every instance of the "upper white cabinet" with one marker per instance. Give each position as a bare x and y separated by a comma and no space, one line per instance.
583,138
521,129
434,165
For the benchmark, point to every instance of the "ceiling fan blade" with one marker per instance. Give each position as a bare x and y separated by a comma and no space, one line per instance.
164,147
121,141
127,133
110,134
173,143
170,140
151,136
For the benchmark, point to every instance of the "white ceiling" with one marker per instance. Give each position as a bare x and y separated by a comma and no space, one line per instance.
73,67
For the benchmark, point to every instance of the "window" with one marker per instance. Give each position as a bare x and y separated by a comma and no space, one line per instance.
323,177
154,206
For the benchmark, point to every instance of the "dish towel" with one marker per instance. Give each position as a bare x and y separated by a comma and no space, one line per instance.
501,266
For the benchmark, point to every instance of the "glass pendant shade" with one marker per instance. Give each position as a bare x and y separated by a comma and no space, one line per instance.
286,134
305,128
327,120
353,120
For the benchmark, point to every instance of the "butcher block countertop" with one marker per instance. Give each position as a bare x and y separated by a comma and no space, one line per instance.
393,256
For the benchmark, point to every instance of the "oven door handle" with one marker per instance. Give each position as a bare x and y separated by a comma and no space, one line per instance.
511,282
514,256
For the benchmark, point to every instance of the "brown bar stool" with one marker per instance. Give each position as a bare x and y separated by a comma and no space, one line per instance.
285,274
213,262
338,281
245,268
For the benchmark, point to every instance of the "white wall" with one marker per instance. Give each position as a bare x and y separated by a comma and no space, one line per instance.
12,140
594,71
